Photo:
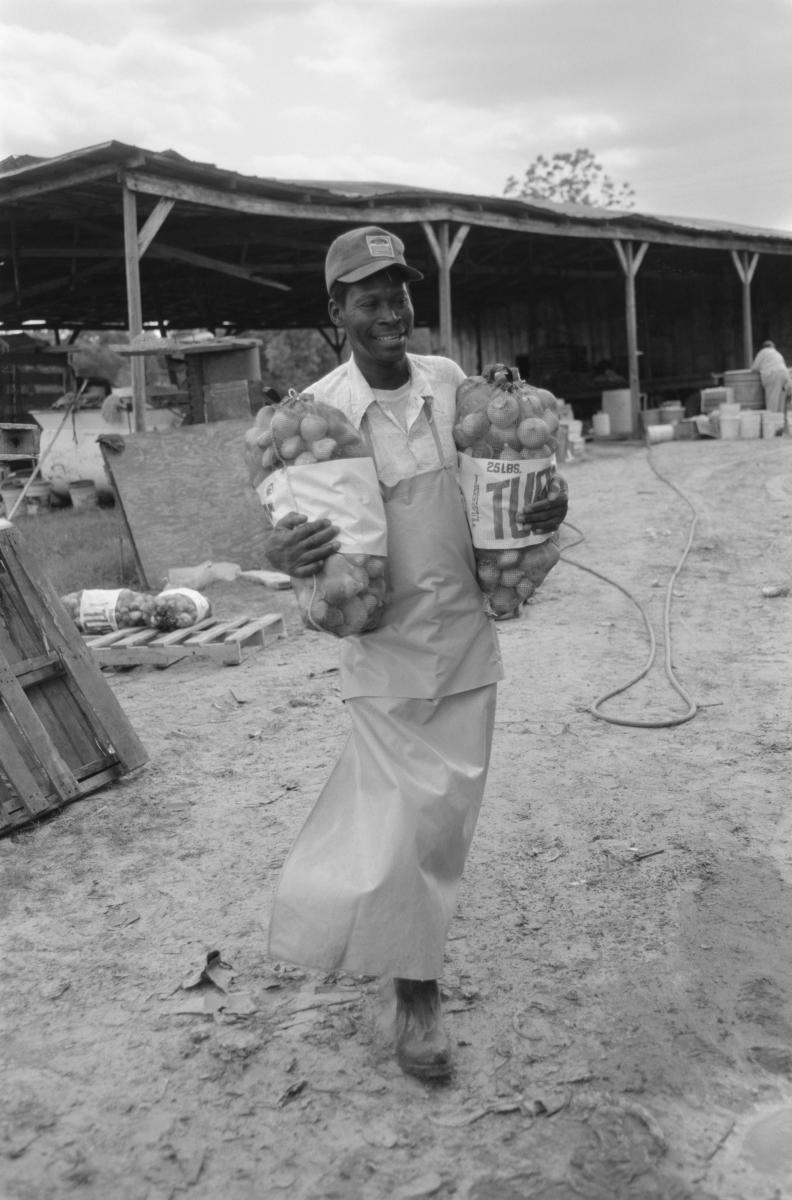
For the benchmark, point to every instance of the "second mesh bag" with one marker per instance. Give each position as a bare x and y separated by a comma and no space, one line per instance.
316,464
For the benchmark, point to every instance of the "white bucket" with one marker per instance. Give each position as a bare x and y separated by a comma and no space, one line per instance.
660,433
772,422
601,424
729,426
617,403
751,423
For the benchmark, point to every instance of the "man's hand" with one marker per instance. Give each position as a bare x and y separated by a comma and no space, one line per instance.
299,547
545,516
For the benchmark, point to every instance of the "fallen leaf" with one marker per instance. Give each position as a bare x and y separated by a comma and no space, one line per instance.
292,1092
213,971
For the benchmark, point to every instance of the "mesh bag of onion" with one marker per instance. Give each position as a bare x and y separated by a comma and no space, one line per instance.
306,457
504,431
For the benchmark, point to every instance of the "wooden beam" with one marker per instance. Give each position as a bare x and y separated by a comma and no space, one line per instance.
335,338
250,275
134,306
53,285
745,269
56,183
432,211
631,260
444,253
160,250
156,219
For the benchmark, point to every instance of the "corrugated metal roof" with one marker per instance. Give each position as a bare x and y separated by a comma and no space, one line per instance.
21,169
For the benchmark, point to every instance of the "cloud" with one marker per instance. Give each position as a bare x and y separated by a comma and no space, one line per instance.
685,100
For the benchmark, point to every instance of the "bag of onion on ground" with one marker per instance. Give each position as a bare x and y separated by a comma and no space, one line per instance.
504,431
105,610
305,456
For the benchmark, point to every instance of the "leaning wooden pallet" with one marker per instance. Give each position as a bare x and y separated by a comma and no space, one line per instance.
219,641
63,733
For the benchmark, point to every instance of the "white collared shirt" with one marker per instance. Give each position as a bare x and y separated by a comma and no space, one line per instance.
400,453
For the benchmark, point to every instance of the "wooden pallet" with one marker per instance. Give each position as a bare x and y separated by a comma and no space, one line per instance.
63,733
220,641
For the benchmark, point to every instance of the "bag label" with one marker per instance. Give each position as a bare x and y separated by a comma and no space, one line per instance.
496,491
345,491
98,610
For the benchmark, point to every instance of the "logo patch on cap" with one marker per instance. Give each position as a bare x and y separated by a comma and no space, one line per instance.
380,245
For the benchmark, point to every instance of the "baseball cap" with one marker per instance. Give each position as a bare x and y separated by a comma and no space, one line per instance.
362,252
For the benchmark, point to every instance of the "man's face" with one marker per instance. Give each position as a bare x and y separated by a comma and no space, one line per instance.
378,318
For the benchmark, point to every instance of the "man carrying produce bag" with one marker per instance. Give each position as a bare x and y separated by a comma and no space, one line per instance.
371,882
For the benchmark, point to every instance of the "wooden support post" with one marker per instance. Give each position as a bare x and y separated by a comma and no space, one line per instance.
745,264
445,256
631,260
134,306
157,218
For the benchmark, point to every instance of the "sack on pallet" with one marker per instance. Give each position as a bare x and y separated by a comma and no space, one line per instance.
178,608
504,431
314,462
103,610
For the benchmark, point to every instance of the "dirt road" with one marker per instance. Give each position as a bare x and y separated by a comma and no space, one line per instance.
618,977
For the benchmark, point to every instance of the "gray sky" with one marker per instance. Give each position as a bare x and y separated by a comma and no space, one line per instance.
688,101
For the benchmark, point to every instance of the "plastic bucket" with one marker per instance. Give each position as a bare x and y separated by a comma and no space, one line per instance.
37,497
650,416
747,387
772,423
660,433
671,413
617,403
751,423
730,425
82,493
601,425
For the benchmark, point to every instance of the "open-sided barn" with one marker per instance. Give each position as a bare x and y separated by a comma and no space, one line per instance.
118,237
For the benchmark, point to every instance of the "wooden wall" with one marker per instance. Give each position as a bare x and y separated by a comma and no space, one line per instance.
690,323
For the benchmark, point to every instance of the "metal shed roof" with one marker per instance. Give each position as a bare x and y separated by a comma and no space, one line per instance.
247,252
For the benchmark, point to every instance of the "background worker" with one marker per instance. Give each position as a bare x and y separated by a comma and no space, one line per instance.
370,884
775,377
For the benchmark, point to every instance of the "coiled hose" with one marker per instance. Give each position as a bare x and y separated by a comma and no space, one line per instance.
596,707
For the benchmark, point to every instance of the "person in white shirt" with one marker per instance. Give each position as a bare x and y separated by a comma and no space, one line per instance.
775,377
371,882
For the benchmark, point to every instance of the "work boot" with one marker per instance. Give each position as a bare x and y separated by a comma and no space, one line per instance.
423,1049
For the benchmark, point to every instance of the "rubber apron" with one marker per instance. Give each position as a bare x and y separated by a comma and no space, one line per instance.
435,638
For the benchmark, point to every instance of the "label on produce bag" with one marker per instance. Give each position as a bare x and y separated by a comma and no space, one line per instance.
98,610
496,491
345,491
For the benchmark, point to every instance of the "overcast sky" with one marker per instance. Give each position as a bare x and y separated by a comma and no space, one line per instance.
687,101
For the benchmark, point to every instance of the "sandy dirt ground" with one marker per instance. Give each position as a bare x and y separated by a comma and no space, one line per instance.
618,980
